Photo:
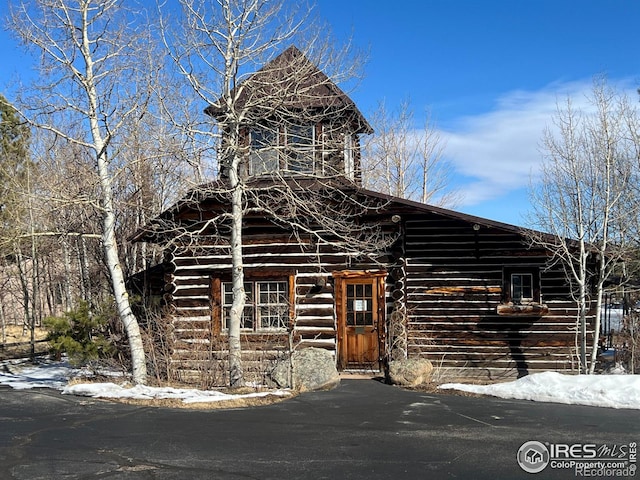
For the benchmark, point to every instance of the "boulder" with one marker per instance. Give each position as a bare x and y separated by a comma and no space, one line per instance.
313,369
410,372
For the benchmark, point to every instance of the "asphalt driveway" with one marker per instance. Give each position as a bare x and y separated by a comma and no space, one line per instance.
361,430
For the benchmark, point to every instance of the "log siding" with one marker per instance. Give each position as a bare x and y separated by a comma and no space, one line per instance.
454,276
445,295
194,279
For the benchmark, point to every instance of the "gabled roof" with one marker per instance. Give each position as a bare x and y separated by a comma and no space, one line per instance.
290,82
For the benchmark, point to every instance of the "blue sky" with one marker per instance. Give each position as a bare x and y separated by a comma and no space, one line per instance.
489,71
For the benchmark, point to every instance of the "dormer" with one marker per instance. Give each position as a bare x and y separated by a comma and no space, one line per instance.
295,121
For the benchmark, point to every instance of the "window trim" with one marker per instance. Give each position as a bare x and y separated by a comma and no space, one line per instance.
508,286
522,287
348,155
331,148
218,307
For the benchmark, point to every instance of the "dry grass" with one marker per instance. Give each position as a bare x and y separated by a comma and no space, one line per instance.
16,334
432,387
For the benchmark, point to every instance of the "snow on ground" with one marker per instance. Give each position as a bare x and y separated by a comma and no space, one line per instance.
142,392
21,375
55,375
613,391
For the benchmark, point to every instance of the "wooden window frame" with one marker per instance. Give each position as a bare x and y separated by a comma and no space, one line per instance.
294,151
218,306
529,285
507,283
527,308
264,148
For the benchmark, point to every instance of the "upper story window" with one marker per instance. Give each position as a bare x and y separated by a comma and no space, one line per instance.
300,141
263,156
349,157
301,148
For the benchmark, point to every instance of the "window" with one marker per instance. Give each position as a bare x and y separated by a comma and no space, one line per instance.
349,162
297,143
302,148
300,152
266,307
359,304
521,287
264,154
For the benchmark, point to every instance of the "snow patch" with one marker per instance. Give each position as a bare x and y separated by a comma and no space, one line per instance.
142,392
612,391
56,375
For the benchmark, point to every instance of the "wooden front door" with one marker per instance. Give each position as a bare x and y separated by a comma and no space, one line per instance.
360,319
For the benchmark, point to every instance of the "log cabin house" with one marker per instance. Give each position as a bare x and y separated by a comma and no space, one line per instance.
467,293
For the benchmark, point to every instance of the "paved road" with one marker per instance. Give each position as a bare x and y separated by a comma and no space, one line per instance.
361,430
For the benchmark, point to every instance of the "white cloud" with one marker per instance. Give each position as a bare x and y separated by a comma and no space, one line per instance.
498,152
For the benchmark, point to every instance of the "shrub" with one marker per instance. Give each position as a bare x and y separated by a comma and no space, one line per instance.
82,334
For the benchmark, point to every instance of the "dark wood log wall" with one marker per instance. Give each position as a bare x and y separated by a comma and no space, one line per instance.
451,293
454,286
194,271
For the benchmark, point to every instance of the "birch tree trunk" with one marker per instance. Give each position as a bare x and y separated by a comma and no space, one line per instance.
584,198
209,49
92,82
236,377
239,59
109,242
65,292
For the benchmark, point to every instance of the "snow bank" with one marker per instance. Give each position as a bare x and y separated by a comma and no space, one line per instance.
142,392
613,391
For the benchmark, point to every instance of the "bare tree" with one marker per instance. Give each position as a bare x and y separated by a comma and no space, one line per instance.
405,161
155,173
70,216
268,114
583,199
18,245
93,62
